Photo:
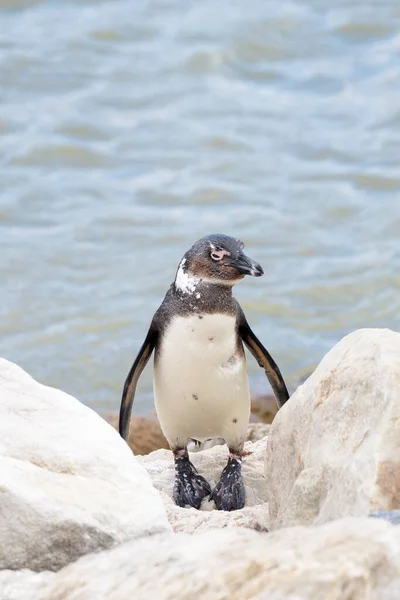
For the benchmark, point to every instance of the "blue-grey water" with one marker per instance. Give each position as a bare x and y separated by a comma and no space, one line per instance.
129,129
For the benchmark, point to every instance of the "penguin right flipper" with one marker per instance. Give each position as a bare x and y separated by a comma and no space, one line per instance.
264,359
128,394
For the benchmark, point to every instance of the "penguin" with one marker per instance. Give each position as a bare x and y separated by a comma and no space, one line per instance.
200,380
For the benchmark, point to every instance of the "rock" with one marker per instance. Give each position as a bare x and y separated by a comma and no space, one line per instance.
190,520
393,516
145,433
209,463
334,448
263,408
69,485
23,585
350,559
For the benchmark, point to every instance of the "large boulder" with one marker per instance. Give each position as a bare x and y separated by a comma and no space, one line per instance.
351,559
23,585
68,484
334,448
209,463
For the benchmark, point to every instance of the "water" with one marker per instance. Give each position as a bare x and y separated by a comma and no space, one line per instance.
130,129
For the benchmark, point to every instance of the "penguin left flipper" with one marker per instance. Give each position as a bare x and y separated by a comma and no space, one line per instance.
265,361
128,394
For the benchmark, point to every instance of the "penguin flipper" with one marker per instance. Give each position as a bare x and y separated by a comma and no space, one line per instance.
265,361
128,394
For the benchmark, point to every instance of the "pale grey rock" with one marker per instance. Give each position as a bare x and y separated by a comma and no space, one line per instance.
68,484
23,585
190,520
209,463
334,448
393,516
351,559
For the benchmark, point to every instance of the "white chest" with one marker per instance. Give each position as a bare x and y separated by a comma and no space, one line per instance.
200,340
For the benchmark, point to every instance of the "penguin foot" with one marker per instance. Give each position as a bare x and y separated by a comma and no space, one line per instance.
229,494
189,488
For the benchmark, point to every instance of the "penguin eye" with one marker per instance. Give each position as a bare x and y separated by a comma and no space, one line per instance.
219,254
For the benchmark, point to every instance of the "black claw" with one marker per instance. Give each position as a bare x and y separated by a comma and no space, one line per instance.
229,494
190,488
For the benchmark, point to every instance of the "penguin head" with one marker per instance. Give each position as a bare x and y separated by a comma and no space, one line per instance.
218,259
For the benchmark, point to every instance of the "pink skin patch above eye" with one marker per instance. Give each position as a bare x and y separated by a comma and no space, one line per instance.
218,254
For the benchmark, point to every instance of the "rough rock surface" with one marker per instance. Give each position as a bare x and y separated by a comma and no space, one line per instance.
350,559
334,448
23,585
209,463
68,484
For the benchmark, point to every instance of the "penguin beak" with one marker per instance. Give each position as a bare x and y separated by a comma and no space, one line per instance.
247,266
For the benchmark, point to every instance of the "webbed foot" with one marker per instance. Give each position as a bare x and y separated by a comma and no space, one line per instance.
189,488
229,494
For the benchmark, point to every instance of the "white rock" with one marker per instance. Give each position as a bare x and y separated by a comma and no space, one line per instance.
190,520
334,448
351,559
68,483
209,463
23,585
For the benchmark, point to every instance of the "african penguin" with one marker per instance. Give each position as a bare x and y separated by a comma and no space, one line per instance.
201,386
